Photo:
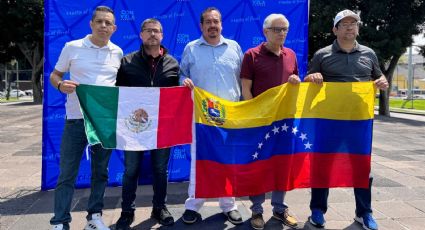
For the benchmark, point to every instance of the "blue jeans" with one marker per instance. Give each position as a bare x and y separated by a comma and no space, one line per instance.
133,161
73,143
277,202
319,199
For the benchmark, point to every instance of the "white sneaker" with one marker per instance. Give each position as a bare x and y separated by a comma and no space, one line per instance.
57,227
96,223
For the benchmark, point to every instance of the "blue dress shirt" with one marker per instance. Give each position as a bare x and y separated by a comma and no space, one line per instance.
213,68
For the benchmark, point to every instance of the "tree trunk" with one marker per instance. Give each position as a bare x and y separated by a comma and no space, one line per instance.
384,96
36,60
36,86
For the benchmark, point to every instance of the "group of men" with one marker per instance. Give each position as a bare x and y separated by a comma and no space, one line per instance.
215,64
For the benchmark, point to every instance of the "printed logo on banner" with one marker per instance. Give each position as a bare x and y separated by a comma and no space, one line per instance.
257,40
118,176
77,12
171,15
245,19
261,3
84,178
54,33
291,2
130,36
127,15
295,41
182,38
179,154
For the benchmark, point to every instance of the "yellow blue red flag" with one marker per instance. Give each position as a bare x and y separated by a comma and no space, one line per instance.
291,136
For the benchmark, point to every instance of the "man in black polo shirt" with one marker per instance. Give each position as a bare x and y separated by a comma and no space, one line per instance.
150,66
345,61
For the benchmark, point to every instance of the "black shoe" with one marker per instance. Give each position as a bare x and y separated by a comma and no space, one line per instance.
190,216
257,221
125,221
163,216
234,217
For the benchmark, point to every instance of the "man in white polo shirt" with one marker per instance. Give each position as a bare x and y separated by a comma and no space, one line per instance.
92,60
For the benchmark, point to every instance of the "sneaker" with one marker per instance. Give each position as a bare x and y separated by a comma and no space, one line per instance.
57,227
286,218
317,219
234,217
163,216
367,221
96,223
190,216
257,221
125,221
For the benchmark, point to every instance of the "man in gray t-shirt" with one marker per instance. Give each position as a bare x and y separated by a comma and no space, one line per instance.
345,61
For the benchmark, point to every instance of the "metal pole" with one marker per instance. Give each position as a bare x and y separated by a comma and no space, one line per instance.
5,77
413,83
17,77
410,72
7,82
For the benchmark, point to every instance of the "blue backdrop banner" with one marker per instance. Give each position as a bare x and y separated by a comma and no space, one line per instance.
68,20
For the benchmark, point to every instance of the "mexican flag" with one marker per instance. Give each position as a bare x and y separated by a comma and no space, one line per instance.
136,118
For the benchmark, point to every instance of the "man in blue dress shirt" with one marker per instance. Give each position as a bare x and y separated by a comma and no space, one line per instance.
212,63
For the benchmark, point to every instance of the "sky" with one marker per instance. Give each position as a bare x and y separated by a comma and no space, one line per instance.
419,39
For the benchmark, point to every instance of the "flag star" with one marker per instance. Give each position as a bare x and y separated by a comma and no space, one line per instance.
255,156
303,136
267,136
295,130
260,145
275,130
285,127
308,145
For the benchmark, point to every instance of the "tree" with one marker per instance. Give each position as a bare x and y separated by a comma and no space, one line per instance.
388,27
21,27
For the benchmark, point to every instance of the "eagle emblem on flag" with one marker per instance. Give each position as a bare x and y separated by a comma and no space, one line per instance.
138,121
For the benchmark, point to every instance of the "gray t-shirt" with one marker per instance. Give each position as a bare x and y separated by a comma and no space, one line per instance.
336,65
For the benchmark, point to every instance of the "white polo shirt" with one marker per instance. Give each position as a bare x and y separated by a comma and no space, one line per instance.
88,64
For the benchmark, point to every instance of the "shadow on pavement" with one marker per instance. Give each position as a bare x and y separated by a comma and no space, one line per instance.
404,121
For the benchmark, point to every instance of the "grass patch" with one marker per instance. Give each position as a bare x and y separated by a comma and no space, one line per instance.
397,103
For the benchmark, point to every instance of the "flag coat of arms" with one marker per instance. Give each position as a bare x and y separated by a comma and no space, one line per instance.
291,136
136,118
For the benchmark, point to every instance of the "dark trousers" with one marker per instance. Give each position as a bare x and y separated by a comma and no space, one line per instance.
74,141
319,199
133,162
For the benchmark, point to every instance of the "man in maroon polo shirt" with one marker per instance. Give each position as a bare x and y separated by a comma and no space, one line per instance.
263,67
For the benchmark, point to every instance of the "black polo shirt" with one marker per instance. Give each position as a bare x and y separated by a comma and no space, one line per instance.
336,65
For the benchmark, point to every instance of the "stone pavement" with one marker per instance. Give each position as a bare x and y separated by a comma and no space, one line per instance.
398,164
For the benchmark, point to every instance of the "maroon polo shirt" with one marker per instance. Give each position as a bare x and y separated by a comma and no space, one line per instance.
266,69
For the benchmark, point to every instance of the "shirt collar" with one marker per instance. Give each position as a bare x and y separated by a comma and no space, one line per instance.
337,48
89,44
222,41
264,50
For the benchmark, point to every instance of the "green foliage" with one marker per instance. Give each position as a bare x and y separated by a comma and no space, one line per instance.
418,104
21,21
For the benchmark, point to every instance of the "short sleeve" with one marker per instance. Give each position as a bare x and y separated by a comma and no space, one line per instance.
64,61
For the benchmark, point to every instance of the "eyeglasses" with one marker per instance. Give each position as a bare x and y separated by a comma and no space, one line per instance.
347,25
149,31
278,29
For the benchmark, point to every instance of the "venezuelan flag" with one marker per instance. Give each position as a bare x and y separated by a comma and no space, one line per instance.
291,136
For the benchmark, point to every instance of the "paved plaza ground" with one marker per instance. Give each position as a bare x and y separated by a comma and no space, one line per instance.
398,165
